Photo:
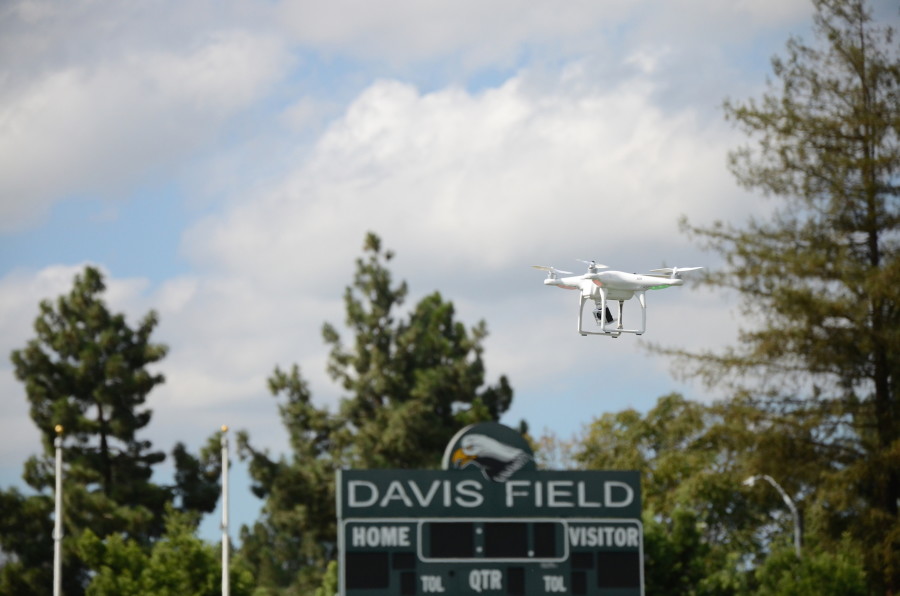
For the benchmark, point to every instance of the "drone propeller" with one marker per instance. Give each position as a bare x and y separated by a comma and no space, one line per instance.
674,272
552,270
592,265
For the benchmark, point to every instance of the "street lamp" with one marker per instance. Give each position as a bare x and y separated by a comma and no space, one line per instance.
787,500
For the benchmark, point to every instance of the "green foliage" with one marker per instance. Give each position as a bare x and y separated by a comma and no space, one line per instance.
26,539
329,581
814,574
688,454
552,452
675,554
704,532
178,564
197,485
691,459
86,370
410,382
820,279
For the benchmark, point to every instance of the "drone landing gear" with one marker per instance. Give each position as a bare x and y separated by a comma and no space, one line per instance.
604,318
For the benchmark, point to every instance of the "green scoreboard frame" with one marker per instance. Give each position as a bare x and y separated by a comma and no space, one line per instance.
420,532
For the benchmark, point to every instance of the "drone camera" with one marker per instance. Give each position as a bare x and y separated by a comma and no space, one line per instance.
598,316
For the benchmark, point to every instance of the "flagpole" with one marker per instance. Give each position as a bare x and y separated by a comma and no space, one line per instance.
226,589
57,523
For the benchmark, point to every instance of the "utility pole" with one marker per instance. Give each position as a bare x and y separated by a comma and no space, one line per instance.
226,588
58,521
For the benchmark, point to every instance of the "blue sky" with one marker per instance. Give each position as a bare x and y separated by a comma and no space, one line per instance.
222,162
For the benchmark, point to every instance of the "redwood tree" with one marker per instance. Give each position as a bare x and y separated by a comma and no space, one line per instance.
820,275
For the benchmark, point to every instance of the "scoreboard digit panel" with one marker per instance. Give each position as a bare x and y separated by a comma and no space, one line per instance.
492,556
509,540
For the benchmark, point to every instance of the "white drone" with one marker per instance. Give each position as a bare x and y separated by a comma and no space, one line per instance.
602,286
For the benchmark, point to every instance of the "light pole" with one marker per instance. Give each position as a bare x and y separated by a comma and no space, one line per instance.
226,589
787,500
57,522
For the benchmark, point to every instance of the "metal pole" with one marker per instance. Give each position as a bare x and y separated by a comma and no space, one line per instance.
788,501
57,523
226,589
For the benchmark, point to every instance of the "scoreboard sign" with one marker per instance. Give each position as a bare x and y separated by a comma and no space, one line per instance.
479,528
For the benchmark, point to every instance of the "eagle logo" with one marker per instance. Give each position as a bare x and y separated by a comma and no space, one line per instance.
497,450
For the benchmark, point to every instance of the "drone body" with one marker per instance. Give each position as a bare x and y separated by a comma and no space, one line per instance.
602,286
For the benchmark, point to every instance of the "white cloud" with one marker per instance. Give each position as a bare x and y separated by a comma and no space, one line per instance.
20,293
495,33
514,171
103,128
403,31
100,96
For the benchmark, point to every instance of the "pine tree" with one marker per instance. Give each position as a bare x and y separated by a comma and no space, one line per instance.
290,545
410,381
87,371
820,275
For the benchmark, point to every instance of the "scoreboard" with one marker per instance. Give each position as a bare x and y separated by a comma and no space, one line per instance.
417,532
481,556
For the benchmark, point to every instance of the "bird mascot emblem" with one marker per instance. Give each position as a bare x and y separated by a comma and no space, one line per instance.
498,451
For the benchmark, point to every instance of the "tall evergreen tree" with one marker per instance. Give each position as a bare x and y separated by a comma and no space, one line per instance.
87,371
410,380
289,546
411,383
820,275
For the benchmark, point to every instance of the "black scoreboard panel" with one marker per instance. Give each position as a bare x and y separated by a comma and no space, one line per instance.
514,557
487,540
